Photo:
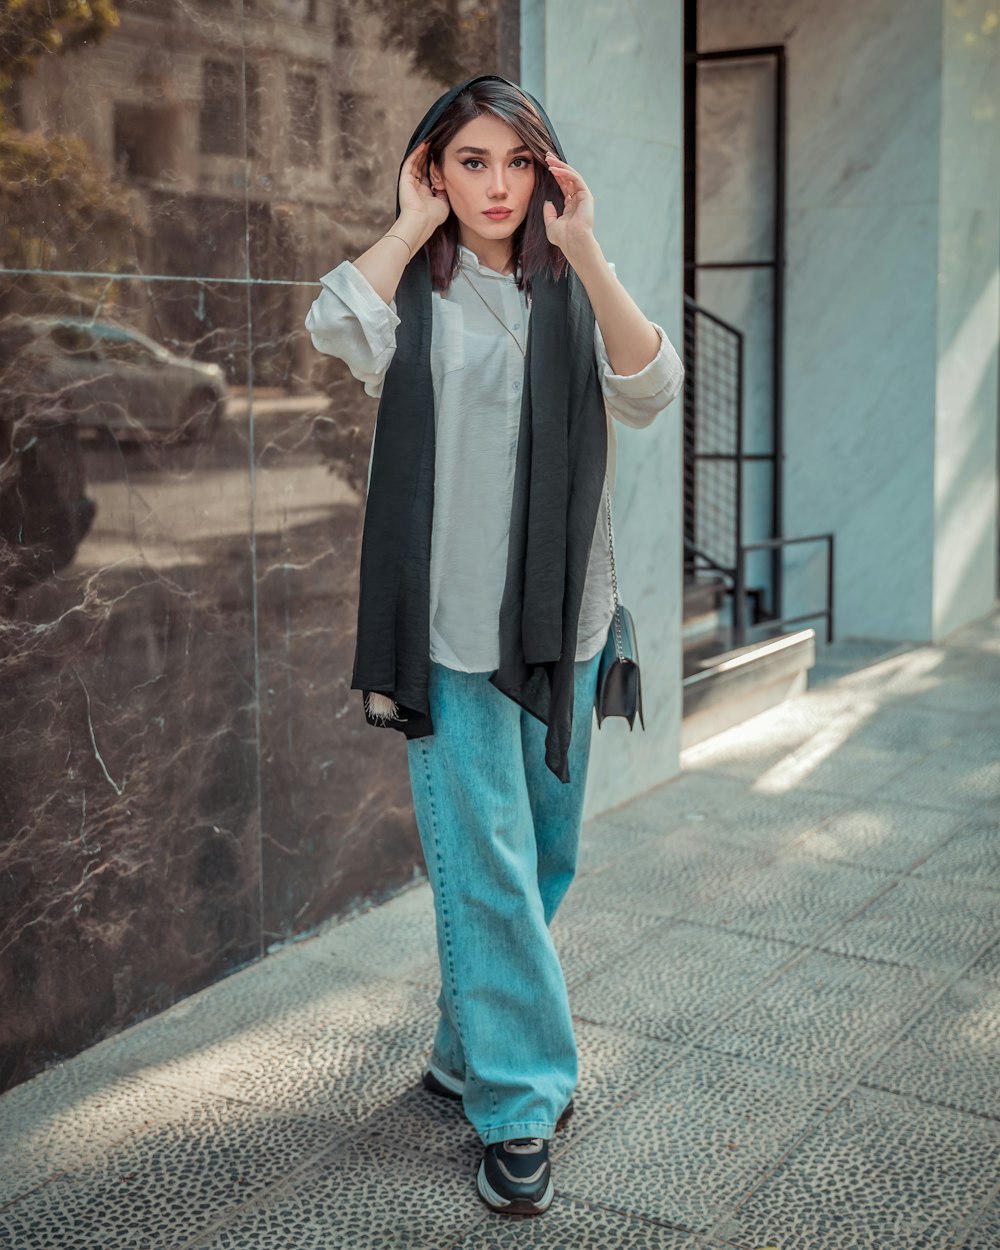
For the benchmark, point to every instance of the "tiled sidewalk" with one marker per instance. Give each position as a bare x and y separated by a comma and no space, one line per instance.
785,969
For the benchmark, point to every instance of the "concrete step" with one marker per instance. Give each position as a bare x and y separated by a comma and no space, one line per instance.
725,684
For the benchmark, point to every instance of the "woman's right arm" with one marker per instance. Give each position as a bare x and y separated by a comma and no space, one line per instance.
421,211
354,316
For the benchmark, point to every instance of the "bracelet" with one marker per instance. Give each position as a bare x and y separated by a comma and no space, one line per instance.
389,235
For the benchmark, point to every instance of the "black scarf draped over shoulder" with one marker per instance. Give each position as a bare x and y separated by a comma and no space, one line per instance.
558,483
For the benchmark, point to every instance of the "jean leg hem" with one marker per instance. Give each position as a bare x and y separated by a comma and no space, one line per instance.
523,1128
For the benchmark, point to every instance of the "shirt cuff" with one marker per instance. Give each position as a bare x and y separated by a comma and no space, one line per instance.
651,380
351,285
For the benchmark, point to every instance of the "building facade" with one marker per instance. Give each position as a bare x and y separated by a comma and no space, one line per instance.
186,778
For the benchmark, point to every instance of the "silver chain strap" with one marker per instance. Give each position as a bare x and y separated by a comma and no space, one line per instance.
617,618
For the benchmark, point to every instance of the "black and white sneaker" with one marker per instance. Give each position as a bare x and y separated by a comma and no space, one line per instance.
515,1177
436,1081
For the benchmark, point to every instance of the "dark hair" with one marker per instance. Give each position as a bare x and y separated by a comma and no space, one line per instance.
533,253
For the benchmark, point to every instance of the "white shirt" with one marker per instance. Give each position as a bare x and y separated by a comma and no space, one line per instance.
477,372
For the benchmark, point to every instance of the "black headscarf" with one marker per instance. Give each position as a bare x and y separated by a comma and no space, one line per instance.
558,483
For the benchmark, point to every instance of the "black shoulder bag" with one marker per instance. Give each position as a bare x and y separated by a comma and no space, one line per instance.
619,684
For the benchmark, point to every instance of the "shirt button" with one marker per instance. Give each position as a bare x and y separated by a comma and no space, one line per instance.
517,325
517,386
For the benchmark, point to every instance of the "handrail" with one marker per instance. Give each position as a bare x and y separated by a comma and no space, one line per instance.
770,544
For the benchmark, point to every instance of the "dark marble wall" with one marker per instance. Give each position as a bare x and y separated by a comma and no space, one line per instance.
185,776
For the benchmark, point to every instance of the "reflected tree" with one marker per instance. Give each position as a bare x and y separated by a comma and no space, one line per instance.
57,210
449,40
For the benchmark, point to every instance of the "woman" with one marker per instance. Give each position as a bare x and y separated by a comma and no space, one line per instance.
501,344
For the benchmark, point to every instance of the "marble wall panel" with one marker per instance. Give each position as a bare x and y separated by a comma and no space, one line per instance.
185,777
129,755
336,813
968,318
610,78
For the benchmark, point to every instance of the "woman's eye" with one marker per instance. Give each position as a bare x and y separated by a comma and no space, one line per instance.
525,161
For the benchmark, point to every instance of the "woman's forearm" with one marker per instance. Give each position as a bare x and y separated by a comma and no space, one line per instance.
629,336
385,260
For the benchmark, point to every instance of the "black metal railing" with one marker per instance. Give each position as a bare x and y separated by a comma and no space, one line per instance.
714,461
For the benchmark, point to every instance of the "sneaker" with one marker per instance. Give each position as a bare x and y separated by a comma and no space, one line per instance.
515,1177
436,1081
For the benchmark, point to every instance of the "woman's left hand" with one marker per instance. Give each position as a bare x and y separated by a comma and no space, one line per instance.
576,222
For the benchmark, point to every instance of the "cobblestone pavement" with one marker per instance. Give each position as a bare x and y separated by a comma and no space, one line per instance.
785,971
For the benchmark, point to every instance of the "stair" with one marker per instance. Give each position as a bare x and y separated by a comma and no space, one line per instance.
725,683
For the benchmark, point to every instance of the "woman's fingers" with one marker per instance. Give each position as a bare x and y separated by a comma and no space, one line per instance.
564,173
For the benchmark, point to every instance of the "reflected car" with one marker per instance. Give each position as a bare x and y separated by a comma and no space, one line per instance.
113,378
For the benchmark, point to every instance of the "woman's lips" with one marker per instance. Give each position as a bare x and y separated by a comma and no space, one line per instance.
498,213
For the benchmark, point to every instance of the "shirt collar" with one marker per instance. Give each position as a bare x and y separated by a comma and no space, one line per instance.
469,260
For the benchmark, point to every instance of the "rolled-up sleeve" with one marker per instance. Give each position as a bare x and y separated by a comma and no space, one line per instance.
636,398
350,320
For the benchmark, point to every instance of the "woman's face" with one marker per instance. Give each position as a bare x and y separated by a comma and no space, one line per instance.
485,169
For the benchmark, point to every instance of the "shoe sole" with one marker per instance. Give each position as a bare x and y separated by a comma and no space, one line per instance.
512,1206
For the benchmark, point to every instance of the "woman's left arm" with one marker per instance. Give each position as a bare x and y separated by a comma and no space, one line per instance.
629,336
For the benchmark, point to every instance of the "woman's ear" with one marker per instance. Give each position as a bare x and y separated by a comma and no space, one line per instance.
434,173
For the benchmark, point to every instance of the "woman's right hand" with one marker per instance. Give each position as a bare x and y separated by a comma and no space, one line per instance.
416,198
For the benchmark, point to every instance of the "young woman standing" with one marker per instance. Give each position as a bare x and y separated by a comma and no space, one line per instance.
502,347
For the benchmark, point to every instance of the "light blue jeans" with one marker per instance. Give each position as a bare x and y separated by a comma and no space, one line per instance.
500,835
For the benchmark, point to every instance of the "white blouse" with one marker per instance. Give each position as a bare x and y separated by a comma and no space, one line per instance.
477,370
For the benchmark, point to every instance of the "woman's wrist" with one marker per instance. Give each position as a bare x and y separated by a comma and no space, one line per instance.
586,256
413,228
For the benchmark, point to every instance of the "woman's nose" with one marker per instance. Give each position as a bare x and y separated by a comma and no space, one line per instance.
498,185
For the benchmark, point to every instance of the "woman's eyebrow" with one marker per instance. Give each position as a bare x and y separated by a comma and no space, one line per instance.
486,152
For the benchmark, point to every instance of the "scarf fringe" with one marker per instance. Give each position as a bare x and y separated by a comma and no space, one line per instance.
381,708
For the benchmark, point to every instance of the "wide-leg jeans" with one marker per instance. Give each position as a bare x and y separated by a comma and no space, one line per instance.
500,835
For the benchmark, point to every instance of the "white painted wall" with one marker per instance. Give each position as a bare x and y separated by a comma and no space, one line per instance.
968,313
609,76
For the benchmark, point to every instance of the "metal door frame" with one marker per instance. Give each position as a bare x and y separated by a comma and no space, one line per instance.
692,60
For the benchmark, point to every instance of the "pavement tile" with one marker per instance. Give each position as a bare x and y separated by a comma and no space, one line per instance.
878,1173
971,854
611,837
764,816
748,749
984,1233
613,1064
570,1223
670,879
891,837
168,1185
363,1196
827,763
987,966
321,1041
679,980
69,1114
951,1053
848,655
963,775
585,947
936,925
694,1139
825,1014
395,940
793,900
